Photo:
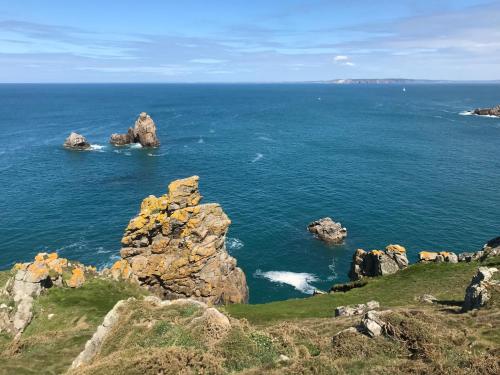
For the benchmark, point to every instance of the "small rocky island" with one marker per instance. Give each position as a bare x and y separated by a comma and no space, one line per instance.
494,111
76,141
143,132
328,230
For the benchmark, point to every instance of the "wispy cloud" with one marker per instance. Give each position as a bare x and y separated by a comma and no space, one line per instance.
207,61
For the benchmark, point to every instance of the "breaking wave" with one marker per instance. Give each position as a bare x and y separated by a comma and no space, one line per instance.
299,280
234,243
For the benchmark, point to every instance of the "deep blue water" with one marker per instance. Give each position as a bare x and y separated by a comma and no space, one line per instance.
393,167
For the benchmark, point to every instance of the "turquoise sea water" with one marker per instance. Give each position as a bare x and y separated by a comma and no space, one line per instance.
392,166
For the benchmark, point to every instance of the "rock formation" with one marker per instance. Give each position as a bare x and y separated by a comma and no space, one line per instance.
373,323
29,280
438,257
495,111
176,247
378,262
143,132
358,309
76,141
327,230
478,293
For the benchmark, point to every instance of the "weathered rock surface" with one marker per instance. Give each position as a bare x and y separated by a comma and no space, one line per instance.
30,280
76,141
143,132
328,230
378,262
373,324
495,111
426,298
438,257
176,248
478,293
93,345
359,309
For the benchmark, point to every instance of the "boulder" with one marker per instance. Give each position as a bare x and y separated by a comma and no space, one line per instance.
143,132
378,262
176,248
494,111
438,257
373,324
359,309
327,230
478,293
76,141
426,298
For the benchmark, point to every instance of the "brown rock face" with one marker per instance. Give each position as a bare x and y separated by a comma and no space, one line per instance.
327,230
176,247
378,262
144,132
495,111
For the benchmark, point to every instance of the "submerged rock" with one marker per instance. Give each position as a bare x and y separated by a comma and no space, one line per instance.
378,262
143,132
327,230
495,111
478,293
176,248
76,141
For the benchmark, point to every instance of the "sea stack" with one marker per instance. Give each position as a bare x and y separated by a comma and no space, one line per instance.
495,111
76,141
176,248
328,230
143,132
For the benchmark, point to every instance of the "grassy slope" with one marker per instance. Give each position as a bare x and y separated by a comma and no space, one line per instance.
50,345
447,282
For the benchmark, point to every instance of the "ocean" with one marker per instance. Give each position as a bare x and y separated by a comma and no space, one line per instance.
391,166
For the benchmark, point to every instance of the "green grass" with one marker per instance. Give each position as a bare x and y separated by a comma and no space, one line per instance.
447,282
49,346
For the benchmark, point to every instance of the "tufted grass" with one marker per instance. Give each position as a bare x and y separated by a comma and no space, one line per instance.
447,282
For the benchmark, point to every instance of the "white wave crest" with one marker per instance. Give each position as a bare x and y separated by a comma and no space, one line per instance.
264,138
299,280
234,243
98,148
257,157
466,113
156,155
135,145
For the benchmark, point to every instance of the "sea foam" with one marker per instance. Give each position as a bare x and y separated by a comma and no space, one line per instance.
234,243
299,280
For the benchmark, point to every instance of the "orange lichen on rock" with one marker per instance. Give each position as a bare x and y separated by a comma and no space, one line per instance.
77,278
121,270
427,256
396,248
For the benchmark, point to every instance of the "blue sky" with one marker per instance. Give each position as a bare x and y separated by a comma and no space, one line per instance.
247,41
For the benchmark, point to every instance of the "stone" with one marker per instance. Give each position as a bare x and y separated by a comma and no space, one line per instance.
327,230
478,293
76,141
93,345
494,111
143,132
359,309
373,324
176,248
426,298
378,262
438,257
77,278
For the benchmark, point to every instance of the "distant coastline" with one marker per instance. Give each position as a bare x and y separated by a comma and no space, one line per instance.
389,81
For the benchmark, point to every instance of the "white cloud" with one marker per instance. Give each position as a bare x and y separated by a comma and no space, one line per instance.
340,58
207,61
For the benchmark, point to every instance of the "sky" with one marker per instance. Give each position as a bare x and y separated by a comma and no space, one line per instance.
247,41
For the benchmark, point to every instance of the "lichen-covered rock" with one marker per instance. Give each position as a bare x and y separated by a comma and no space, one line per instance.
30,280
143,132
478,293
438,257
76,141
327,230
378,262
176,247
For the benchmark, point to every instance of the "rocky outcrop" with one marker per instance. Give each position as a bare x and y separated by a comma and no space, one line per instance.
358,309
143,132
495,111
176,248
373,323
378,262
30,280
328,230
479,291
76,141
93,345
438,257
